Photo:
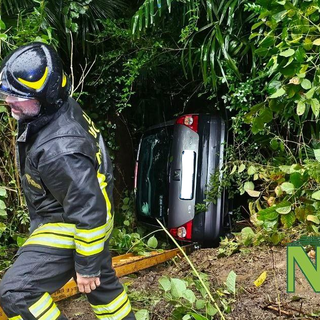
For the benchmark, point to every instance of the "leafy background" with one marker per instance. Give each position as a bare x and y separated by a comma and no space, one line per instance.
135,64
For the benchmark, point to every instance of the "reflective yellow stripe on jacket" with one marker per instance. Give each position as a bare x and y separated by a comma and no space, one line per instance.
67,236
89,242
58,235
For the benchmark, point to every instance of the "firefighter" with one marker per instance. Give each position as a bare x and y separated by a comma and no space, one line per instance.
67,179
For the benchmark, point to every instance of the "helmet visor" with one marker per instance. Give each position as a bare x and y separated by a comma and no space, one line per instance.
21,108
7,99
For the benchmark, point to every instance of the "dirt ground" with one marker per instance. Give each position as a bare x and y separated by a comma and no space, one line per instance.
251,302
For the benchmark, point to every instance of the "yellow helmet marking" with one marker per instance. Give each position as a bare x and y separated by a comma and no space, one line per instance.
64,80
35,84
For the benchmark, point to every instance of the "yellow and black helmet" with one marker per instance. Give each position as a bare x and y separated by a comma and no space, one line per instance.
35,71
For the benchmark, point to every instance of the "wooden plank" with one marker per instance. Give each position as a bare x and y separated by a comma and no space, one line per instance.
123,265
135,264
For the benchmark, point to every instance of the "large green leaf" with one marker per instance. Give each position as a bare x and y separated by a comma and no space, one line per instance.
3,192
287,187
316,195
287,53
306,84
268,214
178,288
165,283
288,220
190,296
279,93
153,242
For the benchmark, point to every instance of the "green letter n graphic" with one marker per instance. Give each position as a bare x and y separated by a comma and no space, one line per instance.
296,254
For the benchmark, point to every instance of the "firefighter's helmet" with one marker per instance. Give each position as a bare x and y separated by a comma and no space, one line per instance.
35,71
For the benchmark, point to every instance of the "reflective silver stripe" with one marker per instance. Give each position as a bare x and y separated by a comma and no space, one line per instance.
52,314
119,315
91,234
88,249
63,228
46,307
67,236
112,306
51,240
41,305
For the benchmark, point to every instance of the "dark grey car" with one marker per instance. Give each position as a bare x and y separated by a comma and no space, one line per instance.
174,163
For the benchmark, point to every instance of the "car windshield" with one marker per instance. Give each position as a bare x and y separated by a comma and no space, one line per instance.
153,172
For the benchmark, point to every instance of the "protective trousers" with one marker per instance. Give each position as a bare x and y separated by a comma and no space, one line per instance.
26,287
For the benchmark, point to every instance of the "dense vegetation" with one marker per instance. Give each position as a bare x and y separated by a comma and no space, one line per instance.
136,64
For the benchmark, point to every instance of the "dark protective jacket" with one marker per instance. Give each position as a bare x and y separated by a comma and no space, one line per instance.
67,179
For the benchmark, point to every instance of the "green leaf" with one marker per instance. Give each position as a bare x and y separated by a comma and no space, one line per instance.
190,296
241,168
317,154
279,93
153,242
288,53
3,109
3,213
253,193
211,310
200,304
297,179
307,44
197,316
247,232
165,283
257,25
288,220
251,170
274,144
306,84
231,282
3,192
233,170
284,210
301,108
311,92
248,186
3,228
126,223
3,36
313,219
247,236
316,42
269,214
315,106
142,314
316,195
2,25
2,205
178,288
287,187
21,241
